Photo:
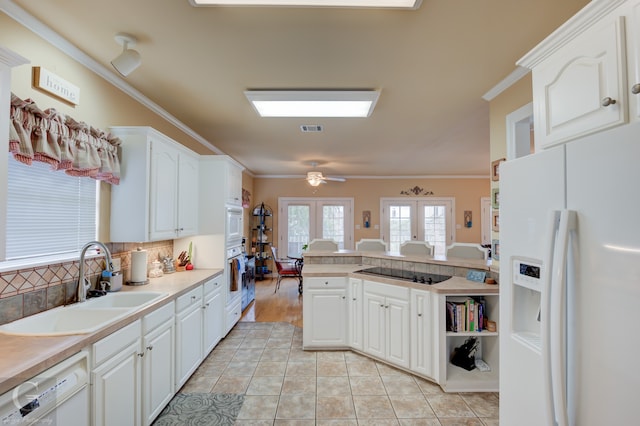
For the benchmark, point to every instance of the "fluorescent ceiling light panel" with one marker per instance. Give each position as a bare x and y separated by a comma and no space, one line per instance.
314,103
392,4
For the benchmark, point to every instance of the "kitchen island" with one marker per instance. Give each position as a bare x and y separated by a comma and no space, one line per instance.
399,321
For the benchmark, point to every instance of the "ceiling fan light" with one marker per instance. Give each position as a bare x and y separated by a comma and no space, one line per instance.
315,178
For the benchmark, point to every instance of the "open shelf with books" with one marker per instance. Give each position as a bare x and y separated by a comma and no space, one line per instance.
466,319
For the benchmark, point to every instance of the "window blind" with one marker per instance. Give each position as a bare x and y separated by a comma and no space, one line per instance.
48,212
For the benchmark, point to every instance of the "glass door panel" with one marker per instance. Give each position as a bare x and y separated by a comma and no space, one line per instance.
400,226
298,229
333,223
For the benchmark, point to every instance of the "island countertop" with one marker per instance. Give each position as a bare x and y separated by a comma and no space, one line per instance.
454,285
26,356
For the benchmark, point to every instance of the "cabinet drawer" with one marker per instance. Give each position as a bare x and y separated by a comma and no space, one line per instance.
157,317
111,345
325,282
188,299
212,285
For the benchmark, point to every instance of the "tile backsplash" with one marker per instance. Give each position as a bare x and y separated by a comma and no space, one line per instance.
27,291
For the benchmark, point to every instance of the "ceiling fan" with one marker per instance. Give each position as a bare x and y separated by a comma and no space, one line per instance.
315,177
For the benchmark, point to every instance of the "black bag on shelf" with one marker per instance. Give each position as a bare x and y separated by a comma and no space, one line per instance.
464,356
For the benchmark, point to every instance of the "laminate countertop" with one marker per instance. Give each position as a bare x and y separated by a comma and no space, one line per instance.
454,285
26,356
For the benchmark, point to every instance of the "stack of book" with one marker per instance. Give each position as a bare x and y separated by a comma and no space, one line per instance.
466,314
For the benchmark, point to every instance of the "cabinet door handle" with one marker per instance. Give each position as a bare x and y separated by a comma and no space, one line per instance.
635,89
344,297
382,306
386,307
419,315
608,101
353,299
150,347
140,354
326,283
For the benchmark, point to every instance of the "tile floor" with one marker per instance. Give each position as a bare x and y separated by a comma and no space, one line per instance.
284,385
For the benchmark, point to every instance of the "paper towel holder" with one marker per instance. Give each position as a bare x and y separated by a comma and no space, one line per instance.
144,259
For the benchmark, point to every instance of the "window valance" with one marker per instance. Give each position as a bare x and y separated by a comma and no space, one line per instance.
56,139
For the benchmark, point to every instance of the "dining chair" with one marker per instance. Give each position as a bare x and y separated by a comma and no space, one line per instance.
287,268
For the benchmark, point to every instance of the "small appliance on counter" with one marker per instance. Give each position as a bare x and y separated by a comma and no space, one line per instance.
138,267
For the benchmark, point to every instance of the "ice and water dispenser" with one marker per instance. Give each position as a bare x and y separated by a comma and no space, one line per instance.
526,292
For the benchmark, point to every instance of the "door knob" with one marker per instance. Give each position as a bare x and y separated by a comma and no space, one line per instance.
635,89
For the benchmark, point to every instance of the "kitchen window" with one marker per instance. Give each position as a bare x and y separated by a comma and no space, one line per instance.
48,212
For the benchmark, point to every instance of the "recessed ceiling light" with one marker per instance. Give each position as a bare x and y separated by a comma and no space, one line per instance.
313,103
394,4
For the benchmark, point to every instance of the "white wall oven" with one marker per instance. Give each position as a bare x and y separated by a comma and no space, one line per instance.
234,271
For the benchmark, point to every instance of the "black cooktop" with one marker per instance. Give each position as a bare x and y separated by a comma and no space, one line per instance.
416,277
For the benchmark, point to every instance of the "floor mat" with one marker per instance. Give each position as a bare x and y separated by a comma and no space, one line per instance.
201,409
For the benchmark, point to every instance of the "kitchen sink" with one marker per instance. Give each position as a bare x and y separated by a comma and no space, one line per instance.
65,320
81,318
132,299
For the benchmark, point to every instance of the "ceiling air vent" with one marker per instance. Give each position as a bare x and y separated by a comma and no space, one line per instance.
311,128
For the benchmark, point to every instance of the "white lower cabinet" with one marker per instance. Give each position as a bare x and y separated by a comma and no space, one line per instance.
189,328
354,308
116,378
158,361
324,313
386,322
424,333
403,326
213,308
132,371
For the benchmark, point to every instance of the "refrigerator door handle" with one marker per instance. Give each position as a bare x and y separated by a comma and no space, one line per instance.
545,317
557,348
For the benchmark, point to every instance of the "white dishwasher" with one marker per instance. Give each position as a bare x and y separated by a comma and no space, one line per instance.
58,396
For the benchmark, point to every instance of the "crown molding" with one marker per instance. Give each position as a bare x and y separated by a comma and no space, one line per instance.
46,33
507,82
11,59
379,177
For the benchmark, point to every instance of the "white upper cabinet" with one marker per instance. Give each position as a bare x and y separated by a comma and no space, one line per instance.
220,187
157,198
580,73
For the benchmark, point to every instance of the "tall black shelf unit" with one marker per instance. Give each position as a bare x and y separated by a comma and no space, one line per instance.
261,239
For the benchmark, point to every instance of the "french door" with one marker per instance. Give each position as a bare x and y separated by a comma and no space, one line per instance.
301,220
418,219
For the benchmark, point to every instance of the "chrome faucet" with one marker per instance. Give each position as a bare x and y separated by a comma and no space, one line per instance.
83,283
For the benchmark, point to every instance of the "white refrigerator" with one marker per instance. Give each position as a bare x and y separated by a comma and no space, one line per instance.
570,283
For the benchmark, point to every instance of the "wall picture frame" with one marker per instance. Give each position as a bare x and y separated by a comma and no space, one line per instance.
495,249
495,198
495,221
495,169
